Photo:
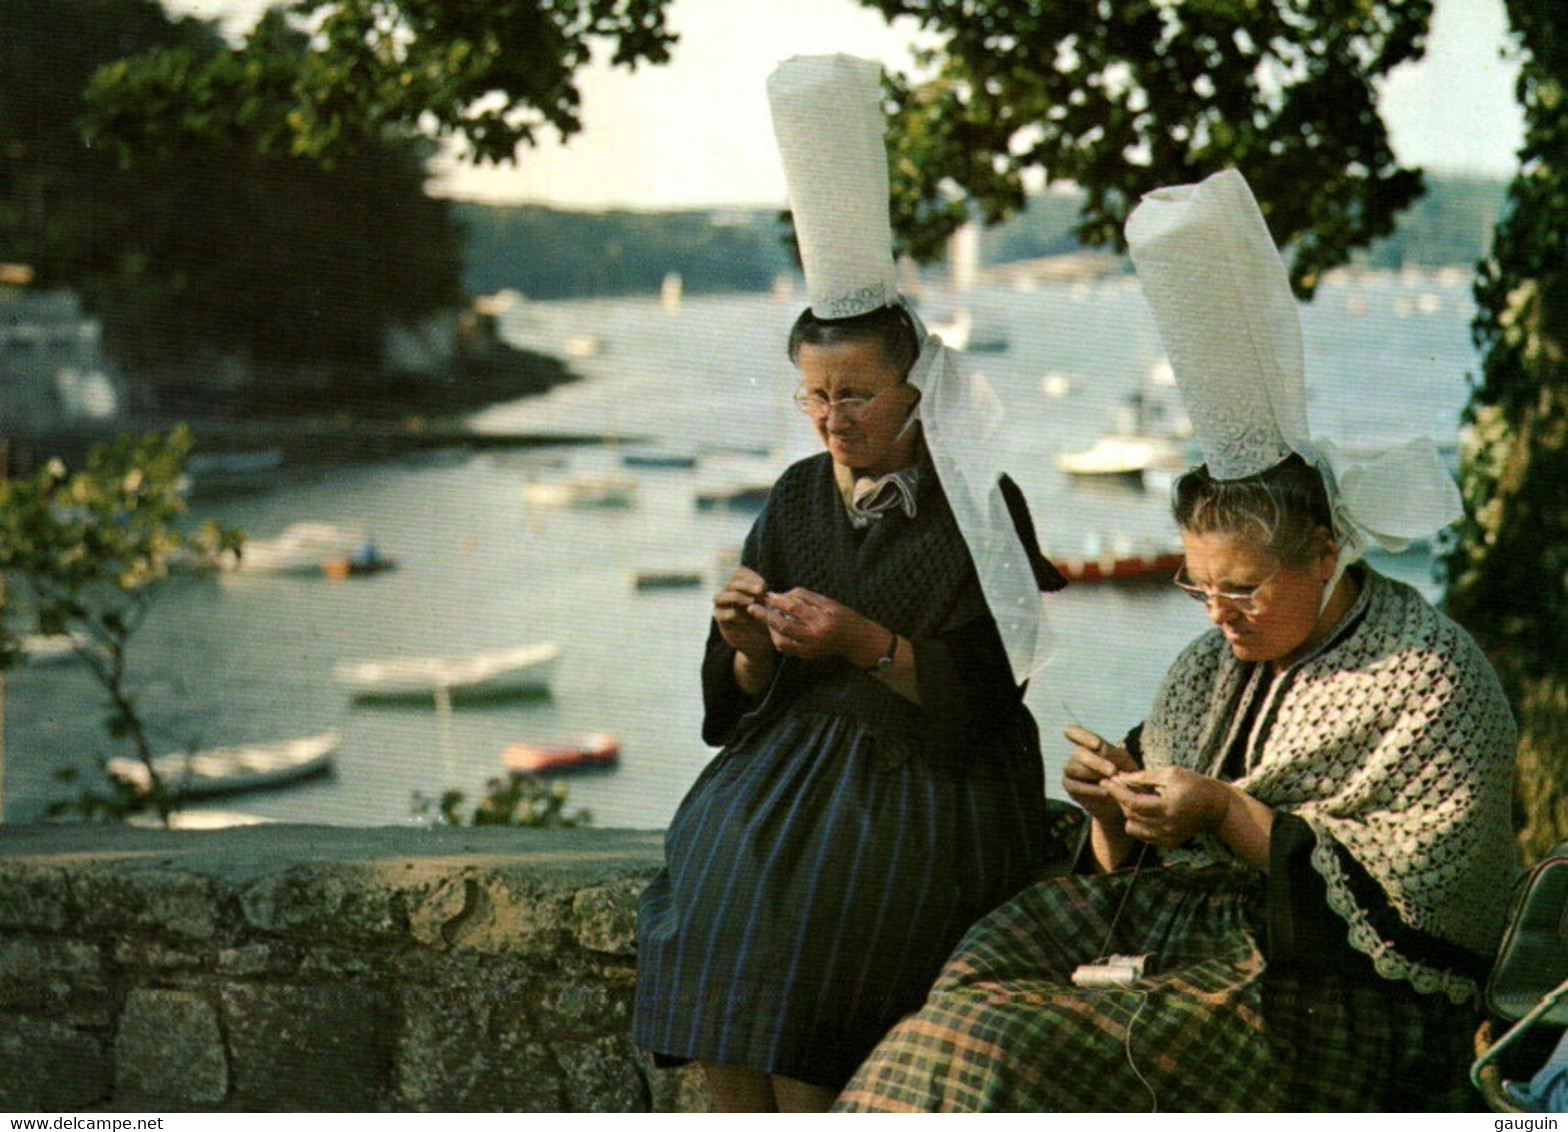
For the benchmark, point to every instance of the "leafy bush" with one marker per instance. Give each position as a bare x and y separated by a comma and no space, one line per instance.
517,800
89,551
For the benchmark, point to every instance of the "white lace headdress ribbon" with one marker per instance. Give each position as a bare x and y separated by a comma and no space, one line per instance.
961,416
1226,314
828,119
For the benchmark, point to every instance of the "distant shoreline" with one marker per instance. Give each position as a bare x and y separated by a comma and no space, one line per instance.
392,417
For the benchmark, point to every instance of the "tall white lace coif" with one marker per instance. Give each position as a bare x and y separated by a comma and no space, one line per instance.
1223,304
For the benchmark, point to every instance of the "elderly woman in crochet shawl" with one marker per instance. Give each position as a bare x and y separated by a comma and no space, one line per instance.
1297,863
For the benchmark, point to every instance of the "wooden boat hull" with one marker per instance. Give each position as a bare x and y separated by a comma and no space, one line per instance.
45,650
1124,455
231,770
596,749
646,581
524,671
596,491
1161,567
747,499
310,548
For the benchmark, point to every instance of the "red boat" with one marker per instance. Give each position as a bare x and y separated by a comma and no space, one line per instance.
597,748
1162,565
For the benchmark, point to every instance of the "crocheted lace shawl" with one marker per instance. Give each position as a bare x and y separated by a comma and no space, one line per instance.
1395,744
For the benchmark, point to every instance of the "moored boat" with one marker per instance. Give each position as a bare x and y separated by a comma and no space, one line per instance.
307,548
525,670
1163,566
1124,455
658,458
595,749
233,473
644,581
744,498
199,820
50,648
1120,559
583,491
230,770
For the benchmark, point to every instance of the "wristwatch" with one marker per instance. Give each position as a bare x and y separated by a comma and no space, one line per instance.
885,661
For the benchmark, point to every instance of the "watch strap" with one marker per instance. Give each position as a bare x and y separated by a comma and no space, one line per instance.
885,661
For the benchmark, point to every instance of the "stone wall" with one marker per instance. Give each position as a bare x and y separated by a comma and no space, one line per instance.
311,968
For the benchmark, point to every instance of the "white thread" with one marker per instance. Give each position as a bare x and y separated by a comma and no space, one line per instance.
1154,1099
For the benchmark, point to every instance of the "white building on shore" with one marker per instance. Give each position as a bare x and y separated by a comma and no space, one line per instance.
53,376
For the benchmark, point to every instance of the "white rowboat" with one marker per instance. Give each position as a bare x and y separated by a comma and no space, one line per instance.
231,770
526,670
52,648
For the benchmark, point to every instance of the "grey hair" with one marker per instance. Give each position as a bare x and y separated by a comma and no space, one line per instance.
1279,510
890,327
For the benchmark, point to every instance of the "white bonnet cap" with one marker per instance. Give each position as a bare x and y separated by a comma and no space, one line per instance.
1226,314
828,119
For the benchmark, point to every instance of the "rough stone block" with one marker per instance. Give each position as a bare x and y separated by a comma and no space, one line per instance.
62,979
251,959
472,1053
23,958
158,897
50,1067
319,969
169,1052
602,1076
604,918
582,1007
323,1048
323,901
505,914
146,955
431,908
34,897
334,962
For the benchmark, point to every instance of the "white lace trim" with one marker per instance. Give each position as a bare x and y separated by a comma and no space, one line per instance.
1362,936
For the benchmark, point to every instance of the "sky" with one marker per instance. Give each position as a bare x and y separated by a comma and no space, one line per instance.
696,133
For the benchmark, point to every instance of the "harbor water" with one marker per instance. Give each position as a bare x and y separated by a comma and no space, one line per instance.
699,391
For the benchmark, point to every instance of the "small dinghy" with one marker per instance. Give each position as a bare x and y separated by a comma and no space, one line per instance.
595,749
522,671
231,770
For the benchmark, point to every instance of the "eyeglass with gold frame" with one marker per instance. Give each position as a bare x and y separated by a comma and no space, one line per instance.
1244,602
817,407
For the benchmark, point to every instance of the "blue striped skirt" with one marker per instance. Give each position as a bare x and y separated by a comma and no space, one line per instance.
815,881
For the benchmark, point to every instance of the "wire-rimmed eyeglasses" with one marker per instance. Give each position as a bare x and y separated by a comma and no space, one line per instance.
817,407
1244,602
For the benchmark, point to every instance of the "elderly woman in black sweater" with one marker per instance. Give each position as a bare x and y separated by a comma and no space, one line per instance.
880,784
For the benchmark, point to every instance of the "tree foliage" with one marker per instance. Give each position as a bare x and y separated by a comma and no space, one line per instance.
207,249
1508,561
1124,96
88,551
64,207
492,73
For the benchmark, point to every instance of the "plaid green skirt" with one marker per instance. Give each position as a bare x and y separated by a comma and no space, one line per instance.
1208,1028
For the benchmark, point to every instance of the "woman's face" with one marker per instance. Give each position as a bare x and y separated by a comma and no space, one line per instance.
1285,600
868,433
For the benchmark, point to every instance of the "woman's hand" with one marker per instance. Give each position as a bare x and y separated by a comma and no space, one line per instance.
1168,805
732,612
1095,761
805,624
